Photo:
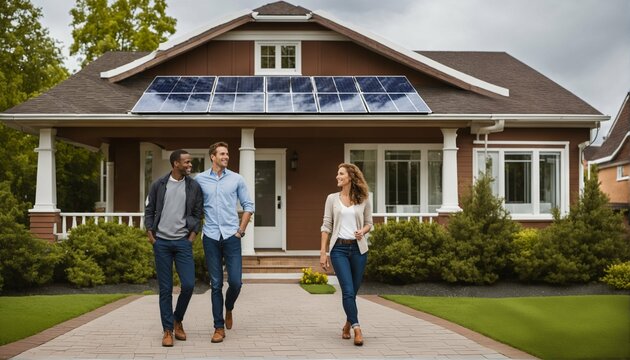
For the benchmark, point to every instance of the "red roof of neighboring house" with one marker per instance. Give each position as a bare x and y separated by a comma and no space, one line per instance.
618,136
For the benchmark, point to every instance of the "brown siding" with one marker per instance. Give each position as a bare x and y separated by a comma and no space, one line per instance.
126,157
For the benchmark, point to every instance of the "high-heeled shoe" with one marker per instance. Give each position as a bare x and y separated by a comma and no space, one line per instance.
345,332
358,336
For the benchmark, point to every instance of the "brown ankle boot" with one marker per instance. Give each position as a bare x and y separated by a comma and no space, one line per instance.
218,336
167,340
228,319
345,332
358,336
178,330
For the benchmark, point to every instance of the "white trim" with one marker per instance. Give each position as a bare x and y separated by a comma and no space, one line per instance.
380,168
614,153
516,142
619,170
420,58
282,166
250,35
174,42
281,18
535,186
278,70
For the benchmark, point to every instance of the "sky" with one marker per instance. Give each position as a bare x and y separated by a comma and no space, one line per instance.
583,45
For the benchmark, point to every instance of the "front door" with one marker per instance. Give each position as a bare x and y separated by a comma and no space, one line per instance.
269,218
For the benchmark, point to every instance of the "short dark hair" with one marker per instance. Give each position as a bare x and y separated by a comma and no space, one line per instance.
213,147
176,155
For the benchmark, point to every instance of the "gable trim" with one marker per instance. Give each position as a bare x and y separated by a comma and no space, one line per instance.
249,35
614,153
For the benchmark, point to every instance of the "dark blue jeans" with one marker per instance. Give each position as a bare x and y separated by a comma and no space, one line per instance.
349,265
180,251
216,251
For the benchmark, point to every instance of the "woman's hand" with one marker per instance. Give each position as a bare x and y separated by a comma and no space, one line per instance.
358,234
324,261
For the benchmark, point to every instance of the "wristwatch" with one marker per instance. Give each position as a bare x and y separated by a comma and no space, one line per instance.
241,232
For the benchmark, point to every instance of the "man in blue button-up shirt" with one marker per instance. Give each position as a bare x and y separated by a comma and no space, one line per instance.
222,232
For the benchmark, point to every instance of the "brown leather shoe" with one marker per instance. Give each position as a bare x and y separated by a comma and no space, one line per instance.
358,336
228,319
167,340
218,336
180,334
345,332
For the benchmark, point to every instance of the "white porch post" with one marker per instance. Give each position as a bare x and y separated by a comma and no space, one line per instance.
450,198
46,190
247,170
109,193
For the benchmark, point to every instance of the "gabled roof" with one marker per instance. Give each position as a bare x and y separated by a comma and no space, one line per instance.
618,135
283,11
532,93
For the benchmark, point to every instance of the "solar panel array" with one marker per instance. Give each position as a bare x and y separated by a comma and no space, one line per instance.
280,94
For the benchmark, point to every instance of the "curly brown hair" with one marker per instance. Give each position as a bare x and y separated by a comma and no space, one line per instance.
359,189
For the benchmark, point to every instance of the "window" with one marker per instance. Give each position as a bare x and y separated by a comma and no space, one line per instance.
621,175
402,178
278,58
530,182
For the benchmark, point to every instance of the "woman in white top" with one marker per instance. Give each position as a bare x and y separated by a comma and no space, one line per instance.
347,221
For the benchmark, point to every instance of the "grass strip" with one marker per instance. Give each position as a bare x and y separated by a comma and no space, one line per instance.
23,316
318,288
554,327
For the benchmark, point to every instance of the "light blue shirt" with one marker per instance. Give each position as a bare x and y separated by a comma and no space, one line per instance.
219,202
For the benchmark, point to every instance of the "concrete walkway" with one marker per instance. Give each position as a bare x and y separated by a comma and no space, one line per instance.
272,321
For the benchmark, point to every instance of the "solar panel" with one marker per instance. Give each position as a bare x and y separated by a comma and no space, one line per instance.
281,94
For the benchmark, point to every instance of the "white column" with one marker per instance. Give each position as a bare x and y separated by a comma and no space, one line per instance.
450,198
109,194
247,170
46,188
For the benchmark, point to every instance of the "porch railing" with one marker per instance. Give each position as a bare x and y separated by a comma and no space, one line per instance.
386,217
71,220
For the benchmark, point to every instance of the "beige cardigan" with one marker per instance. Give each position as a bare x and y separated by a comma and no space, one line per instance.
331,225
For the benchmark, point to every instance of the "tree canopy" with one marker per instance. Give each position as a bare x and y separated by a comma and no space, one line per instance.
125,25
30,60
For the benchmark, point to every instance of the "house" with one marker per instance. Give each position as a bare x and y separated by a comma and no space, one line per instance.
295,92
612,158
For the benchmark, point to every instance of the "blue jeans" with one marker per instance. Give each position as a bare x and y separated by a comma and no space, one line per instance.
216,251
349,265
180,251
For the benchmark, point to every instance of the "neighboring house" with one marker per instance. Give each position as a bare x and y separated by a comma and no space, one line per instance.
613,159
296,92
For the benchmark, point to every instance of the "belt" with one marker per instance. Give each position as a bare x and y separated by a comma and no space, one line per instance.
346,241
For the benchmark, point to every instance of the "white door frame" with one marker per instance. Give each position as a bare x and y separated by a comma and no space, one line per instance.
282,188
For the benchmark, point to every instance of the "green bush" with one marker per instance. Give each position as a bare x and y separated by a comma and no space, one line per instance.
310,277
201,269
580,246
407,252
618,275
122,253
482,234
24,260
525,258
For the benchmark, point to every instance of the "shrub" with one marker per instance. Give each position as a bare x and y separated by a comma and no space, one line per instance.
310,277
24,260
524,257
201,269
618,275
406,252
579,247
122,254
481,234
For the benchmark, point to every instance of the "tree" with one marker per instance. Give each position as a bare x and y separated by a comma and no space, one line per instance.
30,60
125,25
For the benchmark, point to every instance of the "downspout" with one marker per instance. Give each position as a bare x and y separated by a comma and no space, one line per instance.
498,126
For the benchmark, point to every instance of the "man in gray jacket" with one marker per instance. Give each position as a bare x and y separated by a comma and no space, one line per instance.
173,220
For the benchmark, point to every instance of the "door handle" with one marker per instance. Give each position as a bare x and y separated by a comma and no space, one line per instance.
279,202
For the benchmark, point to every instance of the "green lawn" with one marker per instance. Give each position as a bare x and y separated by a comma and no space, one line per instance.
318,288
23,316
555,327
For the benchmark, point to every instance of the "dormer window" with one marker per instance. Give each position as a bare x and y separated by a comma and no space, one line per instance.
278,58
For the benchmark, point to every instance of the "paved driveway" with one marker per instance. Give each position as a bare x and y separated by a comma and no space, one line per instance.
271,321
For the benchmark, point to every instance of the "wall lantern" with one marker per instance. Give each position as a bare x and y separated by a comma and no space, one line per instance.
294,160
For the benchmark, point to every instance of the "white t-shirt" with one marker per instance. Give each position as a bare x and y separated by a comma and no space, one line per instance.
348,222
